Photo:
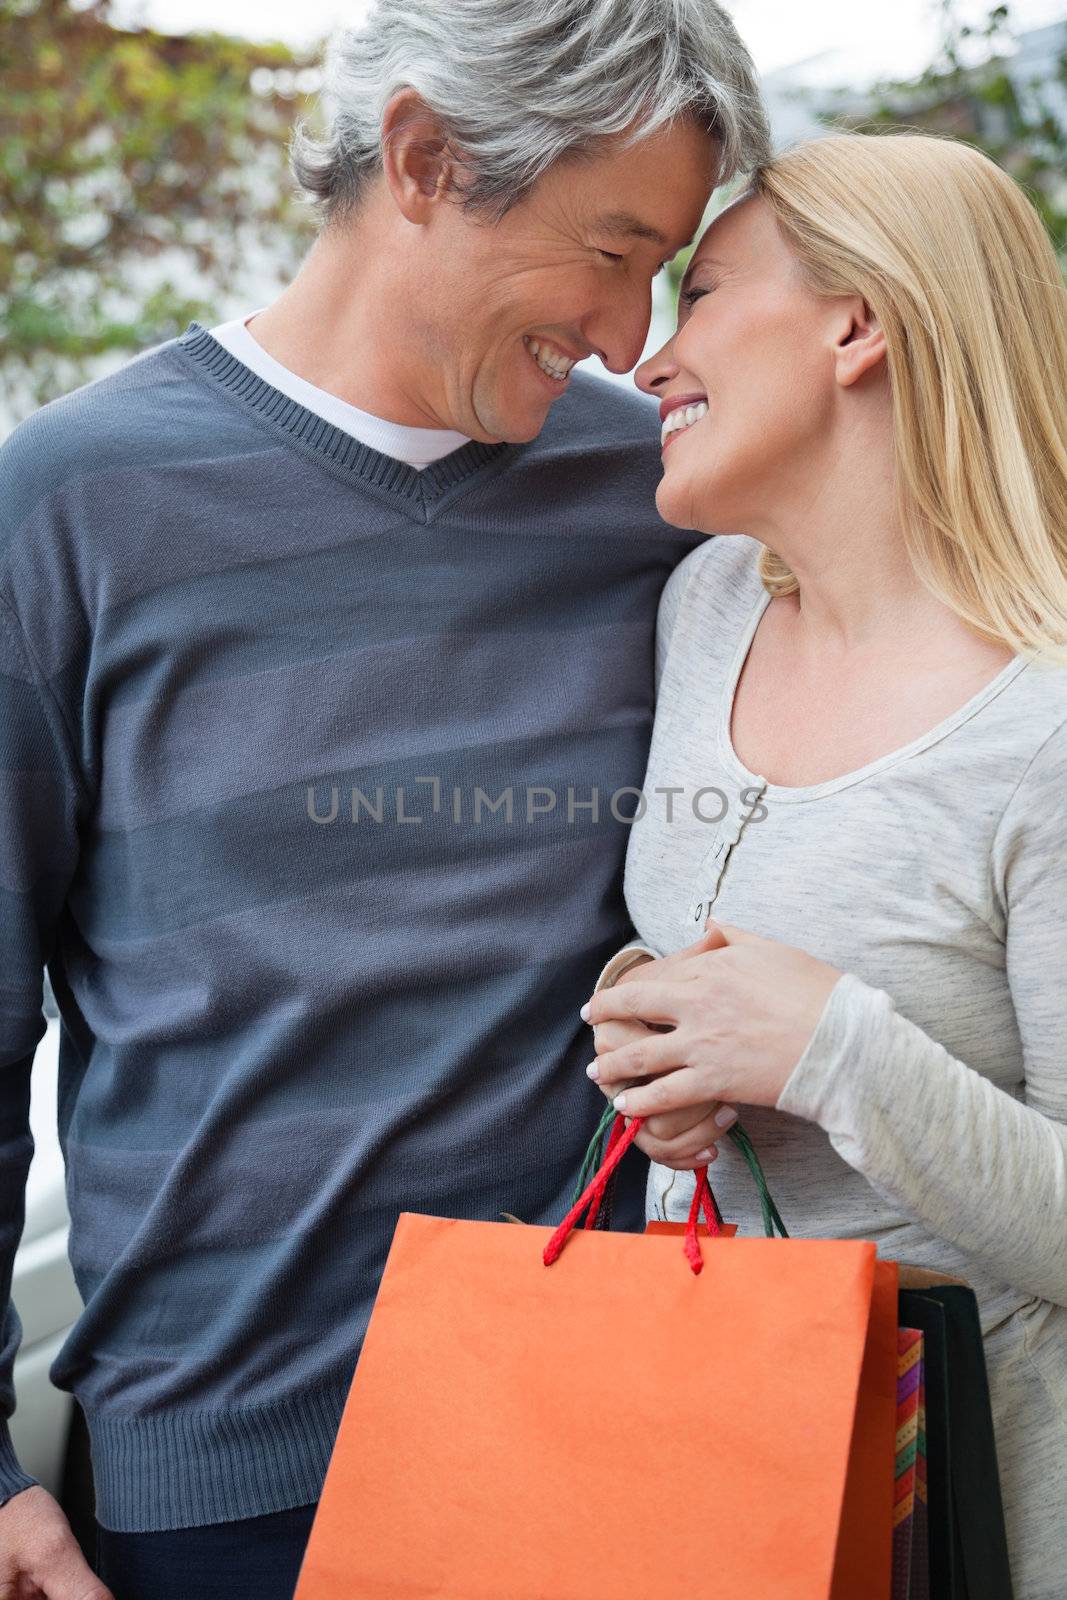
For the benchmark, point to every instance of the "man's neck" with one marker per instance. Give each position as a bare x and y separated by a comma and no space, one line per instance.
327,327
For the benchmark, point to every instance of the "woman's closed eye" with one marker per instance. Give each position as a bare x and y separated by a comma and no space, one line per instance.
689,297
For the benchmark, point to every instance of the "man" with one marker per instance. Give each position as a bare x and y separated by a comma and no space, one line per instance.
325,654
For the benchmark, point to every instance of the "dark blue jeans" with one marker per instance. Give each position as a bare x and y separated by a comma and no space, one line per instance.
256,1559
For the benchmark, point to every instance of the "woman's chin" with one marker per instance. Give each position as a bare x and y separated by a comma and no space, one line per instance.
669,503
675,501
710,503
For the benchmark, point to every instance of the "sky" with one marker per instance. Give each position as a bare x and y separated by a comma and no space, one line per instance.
857,41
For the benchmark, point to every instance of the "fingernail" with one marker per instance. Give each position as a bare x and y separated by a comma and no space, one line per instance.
726,1117
619,1102
703,1157
584,1012
592,1070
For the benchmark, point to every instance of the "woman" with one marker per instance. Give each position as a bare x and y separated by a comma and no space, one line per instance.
866,401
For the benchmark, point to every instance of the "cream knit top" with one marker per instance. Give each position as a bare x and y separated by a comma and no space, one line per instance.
928,1111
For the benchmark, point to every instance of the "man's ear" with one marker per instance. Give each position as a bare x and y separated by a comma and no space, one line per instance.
417,159
859,343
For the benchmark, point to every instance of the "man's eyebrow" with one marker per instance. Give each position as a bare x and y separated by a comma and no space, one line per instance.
625,225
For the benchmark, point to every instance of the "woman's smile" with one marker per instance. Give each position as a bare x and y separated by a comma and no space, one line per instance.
679,413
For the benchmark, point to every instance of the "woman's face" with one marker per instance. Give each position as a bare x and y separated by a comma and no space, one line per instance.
763,354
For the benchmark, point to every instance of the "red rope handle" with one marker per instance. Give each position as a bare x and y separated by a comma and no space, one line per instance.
594,1189
702,1196
618,1128
619,1141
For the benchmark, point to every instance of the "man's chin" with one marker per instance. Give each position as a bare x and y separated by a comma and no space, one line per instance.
515,428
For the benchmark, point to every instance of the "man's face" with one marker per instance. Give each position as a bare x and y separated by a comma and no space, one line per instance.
568,269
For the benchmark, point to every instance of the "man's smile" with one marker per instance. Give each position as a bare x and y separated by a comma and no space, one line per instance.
550,359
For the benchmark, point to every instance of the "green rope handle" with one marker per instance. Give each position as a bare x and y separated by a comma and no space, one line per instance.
592,1157
772,1220
771,1217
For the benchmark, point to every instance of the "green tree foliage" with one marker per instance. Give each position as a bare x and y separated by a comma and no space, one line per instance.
974,92
138,172
969,92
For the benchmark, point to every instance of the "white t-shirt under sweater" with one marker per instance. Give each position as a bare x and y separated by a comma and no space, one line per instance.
928,1111
417,446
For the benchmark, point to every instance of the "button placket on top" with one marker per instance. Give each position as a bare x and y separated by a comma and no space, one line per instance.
713,865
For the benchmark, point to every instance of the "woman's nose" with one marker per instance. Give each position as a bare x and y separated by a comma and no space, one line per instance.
659,369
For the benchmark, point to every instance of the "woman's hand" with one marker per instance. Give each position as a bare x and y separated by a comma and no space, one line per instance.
741,1011
681,1139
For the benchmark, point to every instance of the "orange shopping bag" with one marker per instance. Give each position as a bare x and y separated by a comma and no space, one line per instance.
617,1423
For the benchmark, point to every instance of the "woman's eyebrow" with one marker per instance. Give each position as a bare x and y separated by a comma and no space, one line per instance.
695,266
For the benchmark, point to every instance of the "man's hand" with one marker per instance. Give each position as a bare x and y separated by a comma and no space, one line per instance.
40,1559
673,1138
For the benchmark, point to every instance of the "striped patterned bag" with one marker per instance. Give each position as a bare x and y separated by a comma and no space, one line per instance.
911,1565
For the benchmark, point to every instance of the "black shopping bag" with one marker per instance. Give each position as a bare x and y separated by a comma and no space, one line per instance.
968,1545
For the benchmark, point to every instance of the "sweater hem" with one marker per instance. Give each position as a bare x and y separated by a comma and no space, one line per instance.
188,1469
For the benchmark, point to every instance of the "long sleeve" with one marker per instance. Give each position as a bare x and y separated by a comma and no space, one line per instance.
39,796
978,1166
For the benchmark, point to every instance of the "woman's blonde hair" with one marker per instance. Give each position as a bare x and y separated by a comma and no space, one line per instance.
954,261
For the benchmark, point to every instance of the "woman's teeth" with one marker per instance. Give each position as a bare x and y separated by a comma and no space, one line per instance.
548,360
682,417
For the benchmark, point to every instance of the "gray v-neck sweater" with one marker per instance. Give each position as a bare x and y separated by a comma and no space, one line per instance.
307,762
927,1112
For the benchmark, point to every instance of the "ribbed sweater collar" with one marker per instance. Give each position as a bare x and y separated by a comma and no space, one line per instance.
344,454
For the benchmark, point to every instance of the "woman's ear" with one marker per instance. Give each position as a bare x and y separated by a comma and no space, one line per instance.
417,159
859,344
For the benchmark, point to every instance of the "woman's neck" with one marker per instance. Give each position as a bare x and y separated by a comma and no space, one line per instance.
838,528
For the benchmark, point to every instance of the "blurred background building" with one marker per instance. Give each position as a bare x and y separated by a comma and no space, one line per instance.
142,157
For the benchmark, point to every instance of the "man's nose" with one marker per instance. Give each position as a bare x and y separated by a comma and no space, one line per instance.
617,332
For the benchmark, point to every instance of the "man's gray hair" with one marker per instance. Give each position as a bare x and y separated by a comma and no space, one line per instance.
519,84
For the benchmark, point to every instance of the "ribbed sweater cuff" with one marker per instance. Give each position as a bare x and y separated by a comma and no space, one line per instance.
187,1469
12,1477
